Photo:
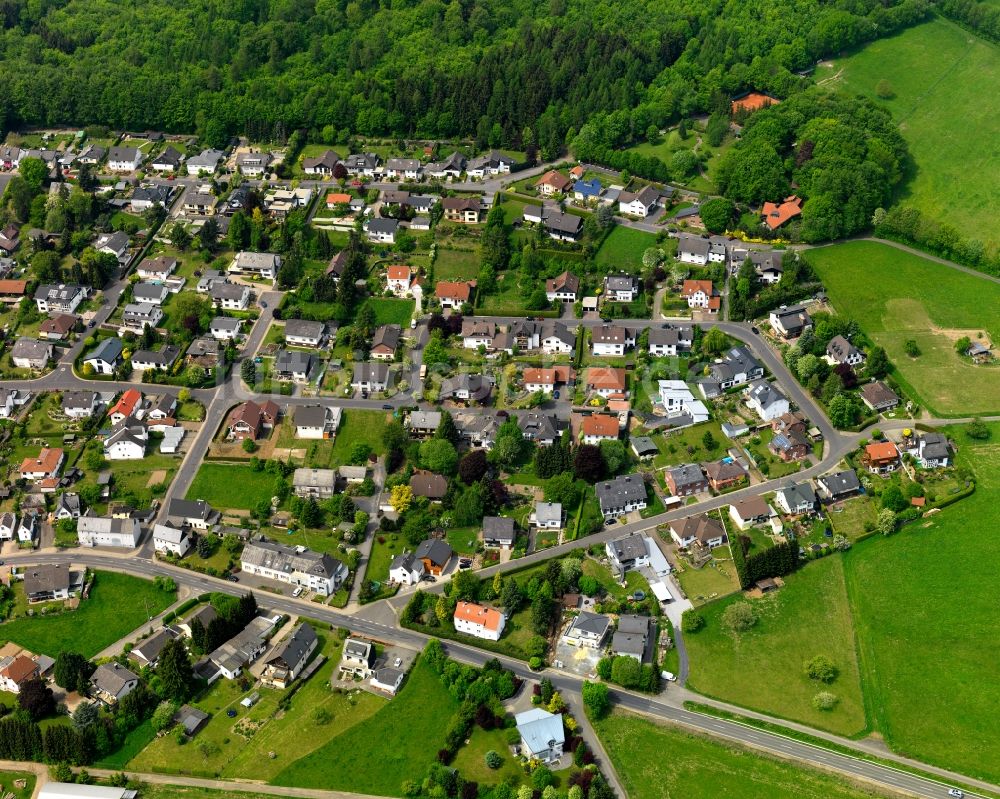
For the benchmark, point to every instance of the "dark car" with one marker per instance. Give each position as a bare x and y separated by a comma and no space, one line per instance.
387,407
263,304
233,578
756,332
555,395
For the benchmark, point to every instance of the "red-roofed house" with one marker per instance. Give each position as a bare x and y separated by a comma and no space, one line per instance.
12,290
125,407
881,457
47,464
454,294
536,379
58,327
599,427
399,279
701,294
335,198
553,182
479,621
607,381
776,214
15,672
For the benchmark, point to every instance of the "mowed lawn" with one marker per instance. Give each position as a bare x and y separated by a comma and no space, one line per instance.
656,761
118,604
227,486
939,74
896,296
455,264
623,249
358,427
926,608
389,311
763,669
394,745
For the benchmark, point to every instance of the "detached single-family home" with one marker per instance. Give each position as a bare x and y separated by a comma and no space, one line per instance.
632,637
547,516
124,159
15,671
294,365
60,298
606,381
701,294
385,342
587,190
427,484
358,658
790,322
840,350
750,512
542,734
489,165
699,251
251,419
839,485
370,377
115,244
797,498
737,367
367,164
289,657
878,396
931,450
167,538
94,531
29,353
881,457
611,340
466,210
253,165
599,427
106,357
766,400
206,161
398,280
623,494
126,442
640,203
664,342
539,428
147,652
725,473
224,328
629,552
137,316
777,214
145,197
194,513
229,296
403,168
47,464
704,529
435,555
159,268
45,582
454,294
58,327
314,483
451,167
68,506
552,183
261,265
27,530
587,629
620,288
316,571
406,569
316,421
112,682
498,531
8,526
479,621
125,406
154,293
162,358
321,164
686,480
562,288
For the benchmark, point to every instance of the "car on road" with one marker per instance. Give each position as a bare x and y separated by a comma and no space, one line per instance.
387,407
297,592
955,792
233,578
555,395
755,331
263,304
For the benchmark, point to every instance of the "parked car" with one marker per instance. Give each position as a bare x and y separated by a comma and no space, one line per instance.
387,407
669,676
297,592
233,578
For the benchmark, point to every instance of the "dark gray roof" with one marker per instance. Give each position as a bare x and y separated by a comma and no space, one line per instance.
631,547
380,225
498,528
293,361
295,648
371,372
304,328
687,474
643,445
593,623
435,550
841,482
797,493
539,427
623,489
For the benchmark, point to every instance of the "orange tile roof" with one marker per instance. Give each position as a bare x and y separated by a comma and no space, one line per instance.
399,272
48,461
600,425
694,286
556,180
714,303
606,377
457,291
546,376
13,286
337,198
126,403
20,669
881,451
477,614
577,171
776,214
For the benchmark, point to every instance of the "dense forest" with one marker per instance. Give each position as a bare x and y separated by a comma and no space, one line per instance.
509,72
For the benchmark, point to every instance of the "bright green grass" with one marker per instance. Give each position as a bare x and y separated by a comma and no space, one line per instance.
763,668
656,761
358,427
389,311
925,601
623,249
940,74
471,759
897,296
394,745
118,604
7,784
453,264
227,486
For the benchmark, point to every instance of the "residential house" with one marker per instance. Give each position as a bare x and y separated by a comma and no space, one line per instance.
791,445
623,494
251,420
552,183
80,404
542,734
258,265
281,202
169,539
701,294
224,328
586,191
546,380
423,424
147,652
353,474
777,214
398,280
477,429
839,485
314,483
686,480
145,197
194,513
768,265
750,512
840,350
370,377
289,658
124,159
162,358
58,327
620,288
426,484
153,293
358,658
640,203
680,405
736,367
367,164
137,316
694,250
479,621
599,427
387,679
451,167
229,296
664,342
606,381
11,400
321,164
435,554
61,298
11,291
115,244
790,322
611,340
47,582
587,629
629,552
725,473
881,457
294,365
879,397
454,294
238,652
466,388
491,164
547,516
316,421
403,168
29,353
562,288
631,639
8,526
560,226
27,530
406,569
466,210
542,429
15,671
253,165
931,450
125,406
94,531
106,357
556,339
385,342
498,531
47,464
207,161
766,400
797,498
304,333
205,352
703,529
316,571
127,441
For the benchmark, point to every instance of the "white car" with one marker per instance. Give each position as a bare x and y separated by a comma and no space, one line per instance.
297,591
955,792
669,676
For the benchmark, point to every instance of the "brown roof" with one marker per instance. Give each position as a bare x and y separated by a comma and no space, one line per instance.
20,669
460,203
556,180
720,471
426,484
14,287
61,324
566,281
606,377
704,528
600,424
460,290
47,461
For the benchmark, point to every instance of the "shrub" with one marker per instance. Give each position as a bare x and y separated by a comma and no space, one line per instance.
825,701
493,759
739,617
692,621
820,668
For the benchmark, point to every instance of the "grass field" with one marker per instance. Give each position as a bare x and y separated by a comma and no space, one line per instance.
358,427
227,486
763,668
396,744
7,787
455,264
623,249
118,604
389,311
938,73
471,759
656,761
930,672
914,298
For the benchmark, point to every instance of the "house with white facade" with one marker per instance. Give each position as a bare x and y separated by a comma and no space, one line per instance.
479,621
169,539
94,531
